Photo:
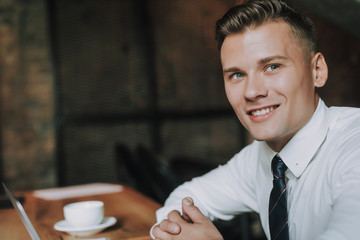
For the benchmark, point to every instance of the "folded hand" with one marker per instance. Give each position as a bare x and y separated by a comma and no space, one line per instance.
191,225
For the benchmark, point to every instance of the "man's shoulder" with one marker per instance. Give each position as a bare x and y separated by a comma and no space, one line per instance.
344,109
344,122
344,116
342,143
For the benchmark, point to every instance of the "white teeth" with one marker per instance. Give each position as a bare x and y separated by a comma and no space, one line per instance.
262,111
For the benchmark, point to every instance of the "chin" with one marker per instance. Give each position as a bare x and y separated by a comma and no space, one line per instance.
262,137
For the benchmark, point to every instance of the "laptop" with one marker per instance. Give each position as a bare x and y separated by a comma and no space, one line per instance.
24,218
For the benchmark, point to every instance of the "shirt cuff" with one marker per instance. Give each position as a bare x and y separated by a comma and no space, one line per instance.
151,230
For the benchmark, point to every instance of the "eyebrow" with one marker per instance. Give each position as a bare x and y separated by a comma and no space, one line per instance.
271,58
232,69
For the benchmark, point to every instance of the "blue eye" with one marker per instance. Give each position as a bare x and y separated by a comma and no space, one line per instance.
238,75
272,67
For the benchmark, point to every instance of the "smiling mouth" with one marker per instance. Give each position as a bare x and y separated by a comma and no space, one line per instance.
263,111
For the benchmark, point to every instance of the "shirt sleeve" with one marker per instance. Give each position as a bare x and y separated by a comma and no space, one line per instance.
222,193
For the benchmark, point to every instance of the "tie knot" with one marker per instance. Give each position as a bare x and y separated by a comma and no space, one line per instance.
278,167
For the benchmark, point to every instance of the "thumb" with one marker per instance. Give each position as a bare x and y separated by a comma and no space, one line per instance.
190,212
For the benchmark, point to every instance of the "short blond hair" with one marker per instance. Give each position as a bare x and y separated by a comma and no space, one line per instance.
253,13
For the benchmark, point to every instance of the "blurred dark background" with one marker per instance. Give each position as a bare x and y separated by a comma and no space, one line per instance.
93,91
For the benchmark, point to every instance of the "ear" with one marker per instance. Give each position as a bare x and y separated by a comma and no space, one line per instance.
320,70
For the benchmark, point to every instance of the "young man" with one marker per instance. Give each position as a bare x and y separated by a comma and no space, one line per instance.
302,172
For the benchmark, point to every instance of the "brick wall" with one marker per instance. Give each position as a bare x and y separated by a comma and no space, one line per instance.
26,96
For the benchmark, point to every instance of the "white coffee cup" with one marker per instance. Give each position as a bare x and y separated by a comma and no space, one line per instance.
84,214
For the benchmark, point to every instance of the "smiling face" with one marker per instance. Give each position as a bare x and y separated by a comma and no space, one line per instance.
270,82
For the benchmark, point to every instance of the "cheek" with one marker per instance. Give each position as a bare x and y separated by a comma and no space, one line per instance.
292,88
229,93
233,94
286,82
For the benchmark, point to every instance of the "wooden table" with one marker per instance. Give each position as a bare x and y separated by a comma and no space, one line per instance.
134,212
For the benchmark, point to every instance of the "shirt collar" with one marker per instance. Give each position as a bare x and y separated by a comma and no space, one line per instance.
299,151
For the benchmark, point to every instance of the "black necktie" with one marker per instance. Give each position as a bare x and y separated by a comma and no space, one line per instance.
278,217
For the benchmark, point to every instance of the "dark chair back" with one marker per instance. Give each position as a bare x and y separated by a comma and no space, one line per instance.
150,175
161,178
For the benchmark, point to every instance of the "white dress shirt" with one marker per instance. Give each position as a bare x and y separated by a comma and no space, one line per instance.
323,180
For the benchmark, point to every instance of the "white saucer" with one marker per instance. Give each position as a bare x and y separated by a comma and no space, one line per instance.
64,226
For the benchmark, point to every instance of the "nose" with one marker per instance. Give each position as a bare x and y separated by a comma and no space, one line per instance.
255,88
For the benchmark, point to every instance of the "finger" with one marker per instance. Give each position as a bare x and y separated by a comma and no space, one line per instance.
185,215
191,211
175,216
160,234
169,227
187,218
